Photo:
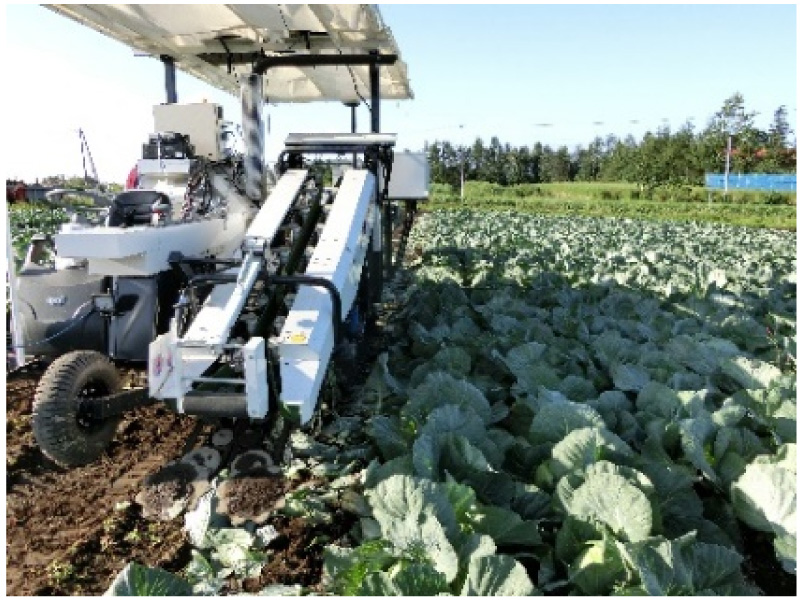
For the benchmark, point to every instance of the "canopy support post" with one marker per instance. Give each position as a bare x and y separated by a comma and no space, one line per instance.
169,78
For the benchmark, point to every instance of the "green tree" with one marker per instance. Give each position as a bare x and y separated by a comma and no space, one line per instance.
478,160
777,155
620,160
734,121
589,161
660,158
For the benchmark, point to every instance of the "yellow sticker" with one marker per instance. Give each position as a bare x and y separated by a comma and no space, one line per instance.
298,338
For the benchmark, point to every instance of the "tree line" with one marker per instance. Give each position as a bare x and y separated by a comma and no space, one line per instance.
666,157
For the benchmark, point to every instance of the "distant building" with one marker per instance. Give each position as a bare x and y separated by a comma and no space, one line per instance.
19,191
36,192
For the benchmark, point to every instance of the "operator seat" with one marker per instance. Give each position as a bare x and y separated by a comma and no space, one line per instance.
134,207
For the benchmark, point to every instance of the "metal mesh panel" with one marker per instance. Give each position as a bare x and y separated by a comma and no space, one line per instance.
753,181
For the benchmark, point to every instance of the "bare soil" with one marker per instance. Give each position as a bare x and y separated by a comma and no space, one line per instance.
63,533
297,554
761,567
70,532
251,496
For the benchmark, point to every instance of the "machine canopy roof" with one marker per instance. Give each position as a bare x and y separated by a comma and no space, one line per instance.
218,43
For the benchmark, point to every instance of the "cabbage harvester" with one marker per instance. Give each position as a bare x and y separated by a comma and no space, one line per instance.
233,289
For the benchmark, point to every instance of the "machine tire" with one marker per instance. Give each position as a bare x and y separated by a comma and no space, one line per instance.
57,425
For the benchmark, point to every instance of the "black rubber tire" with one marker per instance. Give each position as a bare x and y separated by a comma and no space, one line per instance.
57,426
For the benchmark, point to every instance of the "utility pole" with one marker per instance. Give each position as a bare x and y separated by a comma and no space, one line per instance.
463,154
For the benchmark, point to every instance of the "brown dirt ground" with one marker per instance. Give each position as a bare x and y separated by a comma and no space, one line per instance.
297,553
63,534
251,495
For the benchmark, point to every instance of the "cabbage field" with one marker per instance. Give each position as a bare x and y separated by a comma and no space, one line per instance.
566,406
583,406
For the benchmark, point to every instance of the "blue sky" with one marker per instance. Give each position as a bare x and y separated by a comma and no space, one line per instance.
476,70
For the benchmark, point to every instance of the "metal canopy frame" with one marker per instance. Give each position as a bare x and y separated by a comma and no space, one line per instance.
222,43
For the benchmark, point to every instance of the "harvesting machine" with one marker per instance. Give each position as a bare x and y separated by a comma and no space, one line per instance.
233,287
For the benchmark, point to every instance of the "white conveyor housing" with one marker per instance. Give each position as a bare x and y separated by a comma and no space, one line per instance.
177,363
307,338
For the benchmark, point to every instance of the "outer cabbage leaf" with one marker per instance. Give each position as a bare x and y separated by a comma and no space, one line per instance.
685,566
376,472
700,355
452,360
697,434
679,504
473,546
585,446
403,497
451,420
440,389
492,488
658,400
497,575
629,377
599,568
776,407
411,580
530,502
555,420
460,458
526,362
203,575
750,373
136,580
345,569
786,551
388,435
423,538
612,500
505,526
425,456
574,535
765,498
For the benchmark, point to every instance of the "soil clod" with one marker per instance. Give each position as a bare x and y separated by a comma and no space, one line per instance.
250,496
169,491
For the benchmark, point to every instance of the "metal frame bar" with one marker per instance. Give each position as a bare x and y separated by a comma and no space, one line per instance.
380,260
115,404
264,63
381,255
169,78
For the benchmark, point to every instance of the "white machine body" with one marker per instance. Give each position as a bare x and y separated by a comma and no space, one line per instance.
201,121
169,176
410,176
177,363
142,250
306,340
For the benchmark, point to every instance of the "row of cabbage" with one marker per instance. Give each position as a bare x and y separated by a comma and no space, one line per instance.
580,406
